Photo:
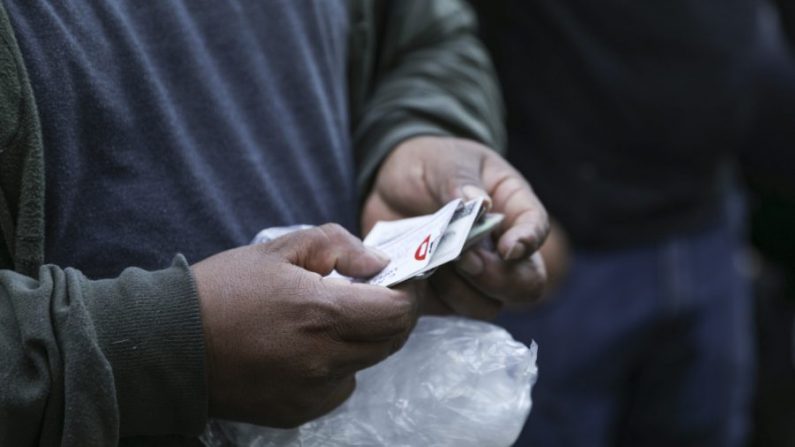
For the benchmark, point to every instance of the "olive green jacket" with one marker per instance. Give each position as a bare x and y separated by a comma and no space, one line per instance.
86,362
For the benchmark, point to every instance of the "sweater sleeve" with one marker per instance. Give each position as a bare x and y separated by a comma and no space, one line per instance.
430,76
85,362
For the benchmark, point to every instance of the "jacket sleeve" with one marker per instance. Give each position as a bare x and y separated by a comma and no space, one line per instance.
426,73
85,362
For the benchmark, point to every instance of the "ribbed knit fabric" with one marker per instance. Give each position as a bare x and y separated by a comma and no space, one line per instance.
151,332
21,162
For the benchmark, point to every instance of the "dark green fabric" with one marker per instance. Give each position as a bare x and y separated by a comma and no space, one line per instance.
21,162
85,362
417,69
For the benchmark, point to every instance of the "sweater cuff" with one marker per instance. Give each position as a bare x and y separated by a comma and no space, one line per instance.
149,328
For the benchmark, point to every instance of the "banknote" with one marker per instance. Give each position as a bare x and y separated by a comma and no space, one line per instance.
417,246
410,246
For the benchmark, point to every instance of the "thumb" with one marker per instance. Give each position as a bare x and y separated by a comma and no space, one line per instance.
330,247
464,185
470,192
458,172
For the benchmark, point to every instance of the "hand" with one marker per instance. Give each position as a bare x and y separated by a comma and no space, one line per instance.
424,173
555,253
283,342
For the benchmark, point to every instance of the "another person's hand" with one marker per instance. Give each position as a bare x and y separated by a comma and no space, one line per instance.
283,342
555,252
424,173
556,255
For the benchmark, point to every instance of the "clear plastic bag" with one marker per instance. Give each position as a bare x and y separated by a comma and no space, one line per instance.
456,382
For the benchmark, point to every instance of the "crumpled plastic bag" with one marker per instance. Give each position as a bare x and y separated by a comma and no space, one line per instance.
456,382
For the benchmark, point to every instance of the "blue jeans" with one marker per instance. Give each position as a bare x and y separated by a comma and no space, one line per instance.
649,346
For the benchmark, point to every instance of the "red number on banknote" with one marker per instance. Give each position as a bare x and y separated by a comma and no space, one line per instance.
422,250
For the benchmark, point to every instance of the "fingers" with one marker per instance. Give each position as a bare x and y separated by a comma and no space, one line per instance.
350,357
435,306
555,253
429,302
526,223
481,281
469,170
322,399
402,183
457,171
506,281
462,297
365,313
375,208
424,173
372,323
330,247
334,396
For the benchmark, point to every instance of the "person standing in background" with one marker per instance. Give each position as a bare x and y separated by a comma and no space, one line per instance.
768,164
629,117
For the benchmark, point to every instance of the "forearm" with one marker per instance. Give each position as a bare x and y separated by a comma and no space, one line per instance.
88,361
433,78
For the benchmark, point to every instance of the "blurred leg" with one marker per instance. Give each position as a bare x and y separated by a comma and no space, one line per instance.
589,336
645,347
694,387
775,395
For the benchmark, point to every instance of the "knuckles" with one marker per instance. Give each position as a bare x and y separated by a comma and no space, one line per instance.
333,233
319,371
310,396
538,277
516,281
312,403
405,314
320,313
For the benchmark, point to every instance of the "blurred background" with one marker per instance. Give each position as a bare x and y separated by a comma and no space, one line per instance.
661,137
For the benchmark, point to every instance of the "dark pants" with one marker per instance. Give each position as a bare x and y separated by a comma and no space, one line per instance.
647,346
775,393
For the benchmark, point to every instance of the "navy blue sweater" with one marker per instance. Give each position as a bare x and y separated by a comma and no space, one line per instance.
167,133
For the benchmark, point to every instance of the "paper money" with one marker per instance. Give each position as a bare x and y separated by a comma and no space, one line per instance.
419,245
410,245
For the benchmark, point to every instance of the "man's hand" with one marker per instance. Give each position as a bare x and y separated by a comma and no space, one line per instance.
283,343
555,252
423,174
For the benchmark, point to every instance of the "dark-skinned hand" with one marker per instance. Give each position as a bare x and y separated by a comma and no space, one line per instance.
283,342
424,173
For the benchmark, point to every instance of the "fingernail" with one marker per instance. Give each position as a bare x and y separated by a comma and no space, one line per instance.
471,192
517,251
379,254
471,264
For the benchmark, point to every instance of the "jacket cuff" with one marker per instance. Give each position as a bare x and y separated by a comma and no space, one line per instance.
149,328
